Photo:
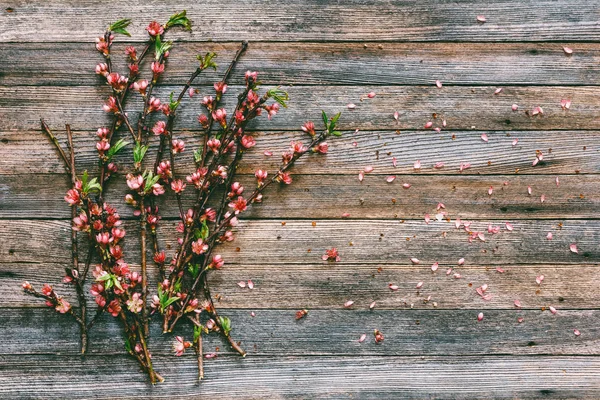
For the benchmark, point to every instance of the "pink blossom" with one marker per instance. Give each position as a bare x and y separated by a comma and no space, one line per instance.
159,128
199,247
63,306
378,336
153,104
135,304
248,141
321,148
331,255
284,177
220,116
158,189
114,308
111,105
157,68
177,146
73,197
177,186
155,29
118,82
102,69
220,88
180,345
135,182
239,205
261,175
309,127
272,110
251,76
217,262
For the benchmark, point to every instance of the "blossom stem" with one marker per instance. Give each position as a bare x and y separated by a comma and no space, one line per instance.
78,281
54,140
144,269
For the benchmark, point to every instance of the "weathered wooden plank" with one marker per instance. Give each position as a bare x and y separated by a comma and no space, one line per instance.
59,377
69,20
565,152
296,63
376,242
335,332
315,286
578,196
463,107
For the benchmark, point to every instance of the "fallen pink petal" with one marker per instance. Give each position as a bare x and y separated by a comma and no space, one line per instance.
573,248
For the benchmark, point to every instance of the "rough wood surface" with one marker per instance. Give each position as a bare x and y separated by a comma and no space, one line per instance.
331,195
333,332
368,63
282,377
565,152
375,242
463,107
507,20
326,286
328,54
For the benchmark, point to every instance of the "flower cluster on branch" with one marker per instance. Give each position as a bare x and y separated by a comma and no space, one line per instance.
183,293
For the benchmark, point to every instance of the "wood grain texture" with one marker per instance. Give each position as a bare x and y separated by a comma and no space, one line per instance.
318,286
362,377
578,196
328,54
565,152
331,332
68,20
368,63
376,242
463,107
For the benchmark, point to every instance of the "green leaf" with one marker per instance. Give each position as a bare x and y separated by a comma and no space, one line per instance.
172,103
150,180
194,269
121,143
104,277
161,47
225,324
169,302
336,117
207,61
93,185
204,231
336,133
280,96
198,155
325,119
119,26
197,332
128,345
179,19
84,178
139,151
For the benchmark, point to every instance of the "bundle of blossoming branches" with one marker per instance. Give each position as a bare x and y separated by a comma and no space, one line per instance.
183,293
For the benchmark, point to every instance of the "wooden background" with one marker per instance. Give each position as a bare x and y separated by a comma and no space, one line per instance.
328,54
